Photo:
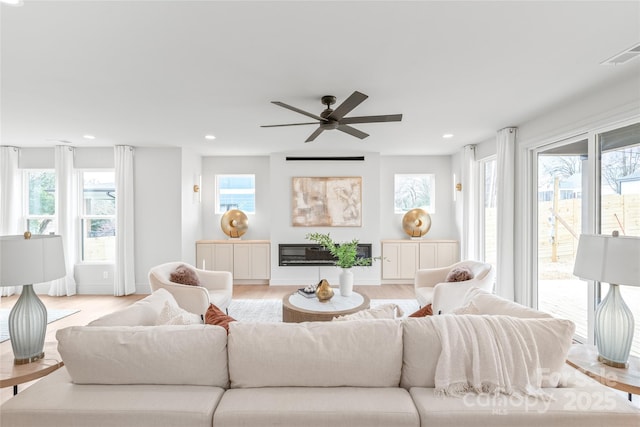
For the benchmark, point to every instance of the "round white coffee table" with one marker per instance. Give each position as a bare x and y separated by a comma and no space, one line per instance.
297,308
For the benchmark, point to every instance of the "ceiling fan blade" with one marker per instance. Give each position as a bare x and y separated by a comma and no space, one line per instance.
315,134
349,104
290,124
297,110
371,119
353,131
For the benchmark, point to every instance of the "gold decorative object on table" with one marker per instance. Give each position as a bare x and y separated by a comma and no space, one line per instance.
234,223
416,223
324,291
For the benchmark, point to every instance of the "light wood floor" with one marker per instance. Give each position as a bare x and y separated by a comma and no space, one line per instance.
93,306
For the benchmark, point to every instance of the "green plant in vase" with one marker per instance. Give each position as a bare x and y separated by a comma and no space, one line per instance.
346,254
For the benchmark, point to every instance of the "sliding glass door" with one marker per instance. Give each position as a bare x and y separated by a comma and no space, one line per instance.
590,184
562,189
619,201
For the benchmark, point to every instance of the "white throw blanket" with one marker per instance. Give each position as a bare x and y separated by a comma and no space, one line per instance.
487,354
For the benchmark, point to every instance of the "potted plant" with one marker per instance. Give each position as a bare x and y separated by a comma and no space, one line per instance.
346,255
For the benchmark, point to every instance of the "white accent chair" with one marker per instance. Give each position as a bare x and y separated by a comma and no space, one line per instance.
215,287
431,288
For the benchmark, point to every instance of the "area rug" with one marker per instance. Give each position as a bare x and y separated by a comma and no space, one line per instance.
52,316
270,310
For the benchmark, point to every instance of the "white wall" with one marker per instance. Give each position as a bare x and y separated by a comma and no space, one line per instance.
158,209
272,220
260,223
191,206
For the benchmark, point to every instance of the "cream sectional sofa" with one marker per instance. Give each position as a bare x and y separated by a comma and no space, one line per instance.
124,371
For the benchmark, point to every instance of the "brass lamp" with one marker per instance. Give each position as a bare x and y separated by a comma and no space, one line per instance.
234,223
416,223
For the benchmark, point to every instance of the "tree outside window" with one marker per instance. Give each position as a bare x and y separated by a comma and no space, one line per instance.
414,191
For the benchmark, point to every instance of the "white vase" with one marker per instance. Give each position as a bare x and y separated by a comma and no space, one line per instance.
346,282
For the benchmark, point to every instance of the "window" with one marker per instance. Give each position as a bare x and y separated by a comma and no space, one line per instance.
98,210
414,191
235,192
41,201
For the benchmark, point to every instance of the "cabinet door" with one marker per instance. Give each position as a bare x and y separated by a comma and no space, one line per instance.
261,261
400,260
428,255
223,257
204,256
242,261
447,254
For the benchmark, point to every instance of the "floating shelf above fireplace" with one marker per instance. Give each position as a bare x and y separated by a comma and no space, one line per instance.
293,254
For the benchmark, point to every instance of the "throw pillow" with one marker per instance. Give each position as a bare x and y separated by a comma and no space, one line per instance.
184,276
215,316
384,311
175,315
459,274
427,310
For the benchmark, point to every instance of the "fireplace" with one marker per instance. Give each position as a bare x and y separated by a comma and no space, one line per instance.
294,254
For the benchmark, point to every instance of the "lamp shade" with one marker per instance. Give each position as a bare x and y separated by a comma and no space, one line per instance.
28,261
608,259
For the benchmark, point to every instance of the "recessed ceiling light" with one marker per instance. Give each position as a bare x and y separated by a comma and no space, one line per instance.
447,135
12,2
88,136
209,137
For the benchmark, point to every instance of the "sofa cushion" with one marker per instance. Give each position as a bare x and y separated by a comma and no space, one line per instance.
184,275
360,353
192,355
174,315
570,407
55,401
422,349
384,311
317,407
141,313
215,316
488,303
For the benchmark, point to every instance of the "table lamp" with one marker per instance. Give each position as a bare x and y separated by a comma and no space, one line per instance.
614,260
25,260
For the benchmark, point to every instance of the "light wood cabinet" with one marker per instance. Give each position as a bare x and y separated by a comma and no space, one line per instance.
249,261
401,258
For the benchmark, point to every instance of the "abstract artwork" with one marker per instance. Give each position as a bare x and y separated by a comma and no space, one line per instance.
327,202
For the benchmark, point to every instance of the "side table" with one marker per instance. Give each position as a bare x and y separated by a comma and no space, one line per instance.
585,359
13,375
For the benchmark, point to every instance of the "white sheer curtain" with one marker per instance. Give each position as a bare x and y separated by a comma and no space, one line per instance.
469,217
124,278
10,197
505,204
67,215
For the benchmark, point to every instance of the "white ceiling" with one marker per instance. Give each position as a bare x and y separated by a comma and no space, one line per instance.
165,73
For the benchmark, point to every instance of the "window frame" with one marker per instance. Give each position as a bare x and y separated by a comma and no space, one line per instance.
82,217
26,214
251,191
431,208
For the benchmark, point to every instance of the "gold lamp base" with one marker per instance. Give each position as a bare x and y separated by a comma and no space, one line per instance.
28,359
623,365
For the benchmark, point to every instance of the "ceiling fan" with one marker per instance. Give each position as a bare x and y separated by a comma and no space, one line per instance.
335,119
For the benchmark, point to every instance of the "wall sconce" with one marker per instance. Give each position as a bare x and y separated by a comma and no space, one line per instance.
197,194
458,187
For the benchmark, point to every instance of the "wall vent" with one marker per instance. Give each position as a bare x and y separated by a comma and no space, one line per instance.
624,56
326,159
